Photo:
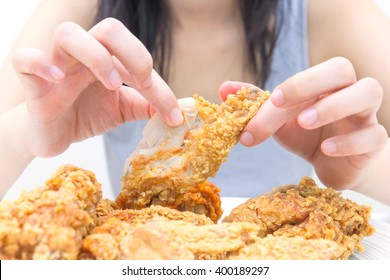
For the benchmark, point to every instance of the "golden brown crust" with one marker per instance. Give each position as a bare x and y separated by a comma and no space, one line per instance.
308,211
289,248
105,240
67,219
51,221
160,238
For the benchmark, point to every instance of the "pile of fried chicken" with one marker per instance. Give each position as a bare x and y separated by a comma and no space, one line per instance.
168,210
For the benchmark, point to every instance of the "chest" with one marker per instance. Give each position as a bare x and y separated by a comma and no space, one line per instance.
200,62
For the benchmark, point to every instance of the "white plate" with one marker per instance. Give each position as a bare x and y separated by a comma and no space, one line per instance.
377,246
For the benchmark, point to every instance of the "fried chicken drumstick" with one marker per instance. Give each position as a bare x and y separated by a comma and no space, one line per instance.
171,165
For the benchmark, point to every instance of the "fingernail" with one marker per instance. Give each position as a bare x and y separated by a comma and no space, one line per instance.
115,79
176,117
254,89
247,138
329,147
56,72
308,117
277,97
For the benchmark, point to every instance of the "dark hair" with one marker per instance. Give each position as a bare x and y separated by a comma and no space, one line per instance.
149,21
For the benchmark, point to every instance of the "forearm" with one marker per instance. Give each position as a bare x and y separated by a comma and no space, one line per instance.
378,183
14,153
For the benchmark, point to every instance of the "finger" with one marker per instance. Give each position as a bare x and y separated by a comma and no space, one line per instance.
133,106
119,41
231,87
366,140
361,100
267,121
138,62
329,76
164,107
149,95
163,100
72,45
35,68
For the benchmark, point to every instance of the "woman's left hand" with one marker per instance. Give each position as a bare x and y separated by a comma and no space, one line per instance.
327,117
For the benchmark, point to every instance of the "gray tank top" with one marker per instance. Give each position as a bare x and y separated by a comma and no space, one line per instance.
252,171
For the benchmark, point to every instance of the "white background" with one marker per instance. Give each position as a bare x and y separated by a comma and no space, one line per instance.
88,154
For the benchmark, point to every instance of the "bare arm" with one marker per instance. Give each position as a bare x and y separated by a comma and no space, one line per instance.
38,31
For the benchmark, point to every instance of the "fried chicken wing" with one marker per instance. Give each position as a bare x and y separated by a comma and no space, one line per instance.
51,221
308,211
173,164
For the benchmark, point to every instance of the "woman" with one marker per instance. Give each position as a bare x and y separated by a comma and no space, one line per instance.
326,115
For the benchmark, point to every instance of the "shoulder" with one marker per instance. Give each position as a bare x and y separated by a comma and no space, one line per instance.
343,27
81,12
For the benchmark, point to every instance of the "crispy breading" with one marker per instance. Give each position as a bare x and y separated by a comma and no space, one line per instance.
165,175
289,248
161,238
115,224
134,217
308,211
51,221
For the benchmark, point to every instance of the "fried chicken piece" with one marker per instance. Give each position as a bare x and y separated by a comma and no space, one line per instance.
116,224
308,211
172,162
51,221
161,238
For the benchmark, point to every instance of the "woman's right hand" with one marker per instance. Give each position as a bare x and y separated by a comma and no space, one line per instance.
77,91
